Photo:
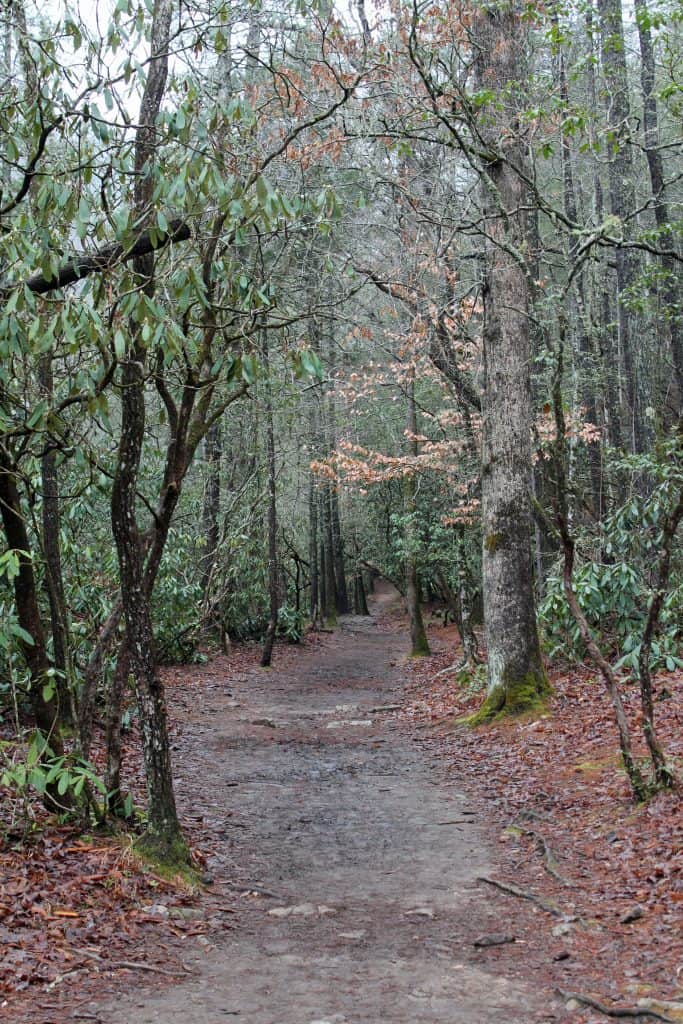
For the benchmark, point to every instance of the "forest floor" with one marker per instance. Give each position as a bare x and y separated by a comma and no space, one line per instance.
353,835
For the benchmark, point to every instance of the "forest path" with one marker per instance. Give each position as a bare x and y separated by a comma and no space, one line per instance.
366,861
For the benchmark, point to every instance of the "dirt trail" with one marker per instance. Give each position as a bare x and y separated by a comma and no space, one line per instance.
368,859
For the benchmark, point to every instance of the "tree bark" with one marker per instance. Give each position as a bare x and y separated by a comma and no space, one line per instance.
671,287
583,346
163,838
45,708
341,592
419,646
115,698
328,579
516,677
211,516
51,523
273,570
314,605
360,601
622,203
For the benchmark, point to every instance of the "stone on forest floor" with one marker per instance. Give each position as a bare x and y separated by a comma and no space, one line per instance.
634,914
304,909
300,910
485,941
352,721
280,912
186,913
157,910
419,912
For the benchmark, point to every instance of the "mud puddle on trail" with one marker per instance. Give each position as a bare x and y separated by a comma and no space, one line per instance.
365,863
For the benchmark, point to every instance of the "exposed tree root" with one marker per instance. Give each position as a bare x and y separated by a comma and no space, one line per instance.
523,894
549,860
632,1012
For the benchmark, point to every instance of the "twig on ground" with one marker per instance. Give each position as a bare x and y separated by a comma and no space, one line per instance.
523,894
613,1011
455,667
129,965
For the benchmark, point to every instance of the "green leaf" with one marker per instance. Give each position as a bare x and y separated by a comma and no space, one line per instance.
37,415
19,631
249,369
119,345
38,779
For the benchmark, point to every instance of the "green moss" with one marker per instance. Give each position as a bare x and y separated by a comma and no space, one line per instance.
169,856
491,541
420,649
594,767
525,696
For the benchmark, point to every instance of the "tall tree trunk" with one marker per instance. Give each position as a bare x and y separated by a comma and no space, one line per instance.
314,605
582,345
329,582
516,677
602,313
360,601
163,838
51,523
211,515
419,645
44,704
273,569
622,204
114,714
671,288
341,592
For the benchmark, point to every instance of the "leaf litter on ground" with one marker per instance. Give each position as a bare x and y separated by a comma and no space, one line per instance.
568,831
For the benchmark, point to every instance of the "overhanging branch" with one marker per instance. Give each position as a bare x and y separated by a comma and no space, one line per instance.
76,268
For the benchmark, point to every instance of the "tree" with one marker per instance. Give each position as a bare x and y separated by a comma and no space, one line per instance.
517,679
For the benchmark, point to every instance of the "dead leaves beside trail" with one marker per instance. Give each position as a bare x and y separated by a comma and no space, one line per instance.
67,905
569,834
72,906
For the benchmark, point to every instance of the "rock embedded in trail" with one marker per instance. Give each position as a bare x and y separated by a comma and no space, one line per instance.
420,912
302,910
363,722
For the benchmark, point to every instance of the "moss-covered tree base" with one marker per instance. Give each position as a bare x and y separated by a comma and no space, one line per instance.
525,696
169,855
